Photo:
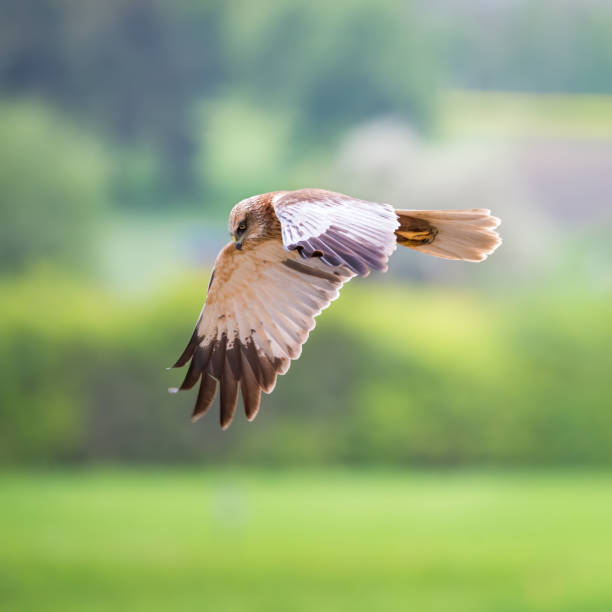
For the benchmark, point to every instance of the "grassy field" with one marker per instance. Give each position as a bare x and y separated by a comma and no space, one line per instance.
160,540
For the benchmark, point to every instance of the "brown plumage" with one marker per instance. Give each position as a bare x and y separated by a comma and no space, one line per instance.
292,252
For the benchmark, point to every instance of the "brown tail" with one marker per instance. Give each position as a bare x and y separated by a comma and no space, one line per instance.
467,235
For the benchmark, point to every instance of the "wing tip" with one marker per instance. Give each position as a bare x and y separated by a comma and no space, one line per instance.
251,417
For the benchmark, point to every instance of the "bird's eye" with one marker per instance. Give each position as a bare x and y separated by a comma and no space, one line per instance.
242,227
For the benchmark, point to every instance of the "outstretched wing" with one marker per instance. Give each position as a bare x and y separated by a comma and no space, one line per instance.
341,230
259,310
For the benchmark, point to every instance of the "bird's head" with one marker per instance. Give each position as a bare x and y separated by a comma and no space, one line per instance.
247,222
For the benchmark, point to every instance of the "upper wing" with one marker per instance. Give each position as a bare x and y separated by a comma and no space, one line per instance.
260,307
337,228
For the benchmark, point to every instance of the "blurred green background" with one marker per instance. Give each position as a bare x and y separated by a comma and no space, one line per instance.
445,440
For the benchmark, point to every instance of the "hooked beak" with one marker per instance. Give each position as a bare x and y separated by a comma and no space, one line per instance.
237,242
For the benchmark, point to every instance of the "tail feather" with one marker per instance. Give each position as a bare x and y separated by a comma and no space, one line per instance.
466,235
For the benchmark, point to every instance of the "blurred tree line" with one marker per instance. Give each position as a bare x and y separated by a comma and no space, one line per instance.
138,71
53,188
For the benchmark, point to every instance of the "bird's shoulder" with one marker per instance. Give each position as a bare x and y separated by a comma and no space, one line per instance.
307,195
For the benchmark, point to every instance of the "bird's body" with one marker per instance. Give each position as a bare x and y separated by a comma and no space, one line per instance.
292,252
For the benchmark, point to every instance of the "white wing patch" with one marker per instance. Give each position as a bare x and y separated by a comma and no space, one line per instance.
340,230
261,306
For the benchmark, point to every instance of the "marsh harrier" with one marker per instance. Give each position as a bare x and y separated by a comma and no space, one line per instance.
291,253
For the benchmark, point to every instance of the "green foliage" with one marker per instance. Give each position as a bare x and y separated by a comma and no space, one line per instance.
321,540
231,167
140,71
131,68
390,375
52,186
335,64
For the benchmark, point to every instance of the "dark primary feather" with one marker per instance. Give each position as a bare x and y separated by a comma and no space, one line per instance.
206,396
239,364
194,371
251,392
217,360
188,352
229,396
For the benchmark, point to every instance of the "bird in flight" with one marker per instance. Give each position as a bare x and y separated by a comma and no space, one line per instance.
291,253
